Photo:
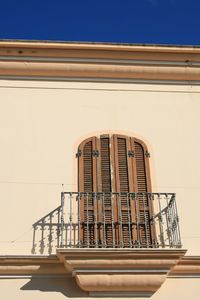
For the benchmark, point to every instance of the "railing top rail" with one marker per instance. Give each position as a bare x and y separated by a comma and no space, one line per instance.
120,193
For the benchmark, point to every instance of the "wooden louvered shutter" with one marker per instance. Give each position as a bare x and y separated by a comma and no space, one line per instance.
106,201
123,183
142,184
87,183
119,164
132,174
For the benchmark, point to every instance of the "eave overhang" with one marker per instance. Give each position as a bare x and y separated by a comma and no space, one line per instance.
63,61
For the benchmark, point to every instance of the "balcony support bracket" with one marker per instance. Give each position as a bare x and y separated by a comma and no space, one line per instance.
121,272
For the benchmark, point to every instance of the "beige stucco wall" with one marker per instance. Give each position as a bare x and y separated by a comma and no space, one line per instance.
42,123
63,288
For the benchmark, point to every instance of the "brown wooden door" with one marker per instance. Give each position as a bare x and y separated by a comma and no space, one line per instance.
117,164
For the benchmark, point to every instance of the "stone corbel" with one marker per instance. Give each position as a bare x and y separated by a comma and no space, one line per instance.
120,272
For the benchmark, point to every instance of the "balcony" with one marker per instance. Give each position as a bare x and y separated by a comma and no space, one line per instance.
113,243
110,220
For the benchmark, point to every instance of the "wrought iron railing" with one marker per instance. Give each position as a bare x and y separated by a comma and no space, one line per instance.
110,220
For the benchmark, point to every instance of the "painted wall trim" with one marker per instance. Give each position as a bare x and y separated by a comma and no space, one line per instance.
188,266
104,80
100,61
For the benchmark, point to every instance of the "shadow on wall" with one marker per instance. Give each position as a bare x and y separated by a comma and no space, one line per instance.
47,233
64,285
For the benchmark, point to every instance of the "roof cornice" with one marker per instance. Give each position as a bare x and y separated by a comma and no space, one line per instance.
99,46
98,61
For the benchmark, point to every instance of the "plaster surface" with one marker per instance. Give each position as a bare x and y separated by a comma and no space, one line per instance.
42,123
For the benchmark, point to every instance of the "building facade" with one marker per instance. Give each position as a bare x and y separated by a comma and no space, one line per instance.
99,171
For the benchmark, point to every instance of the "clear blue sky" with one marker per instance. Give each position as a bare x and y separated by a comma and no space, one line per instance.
128,21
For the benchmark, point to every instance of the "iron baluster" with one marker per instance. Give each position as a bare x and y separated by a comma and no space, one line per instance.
129,219
104,220
62,218
155,243
87,220
79,220
95,221
135,197
145,219
174,221
50,234
160,218
70,219
121,243
112,220
178,226
169,222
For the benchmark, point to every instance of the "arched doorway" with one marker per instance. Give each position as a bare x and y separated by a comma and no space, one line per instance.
114,179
